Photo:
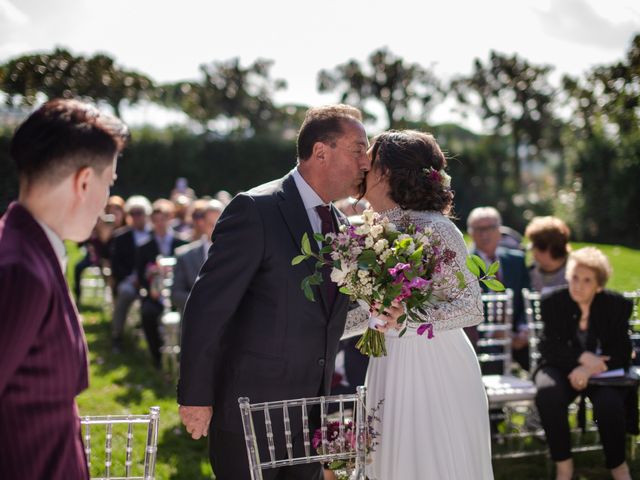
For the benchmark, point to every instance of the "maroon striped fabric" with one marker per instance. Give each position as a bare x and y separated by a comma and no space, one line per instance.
43,358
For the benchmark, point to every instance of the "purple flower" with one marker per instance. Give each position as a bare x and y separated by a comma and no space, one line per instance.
426,327
394,271
419,282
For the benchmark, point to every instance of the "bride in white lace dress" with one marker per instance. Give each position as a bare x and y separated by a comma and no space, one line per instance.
434,418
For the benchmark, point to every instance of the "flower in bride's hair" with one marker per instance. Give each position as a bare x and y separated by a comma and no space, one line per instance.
438,176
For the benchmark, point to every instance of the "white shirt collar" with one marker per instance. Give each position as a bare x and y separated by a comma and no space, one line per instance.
57,244
310,198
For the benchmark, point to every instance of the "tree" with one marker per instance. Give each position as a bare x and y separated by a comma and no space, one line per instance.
389,79
60,74
514,98
227,90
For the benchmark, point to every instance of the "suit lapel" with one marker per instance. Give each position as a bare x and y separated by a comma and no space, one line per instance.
297,220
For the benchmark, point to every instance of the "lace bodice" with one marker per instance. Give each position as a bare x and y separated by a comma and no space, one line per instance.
463,308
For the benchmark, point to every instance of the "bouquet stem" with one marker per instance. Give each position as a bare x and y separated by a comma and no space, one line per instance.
372,343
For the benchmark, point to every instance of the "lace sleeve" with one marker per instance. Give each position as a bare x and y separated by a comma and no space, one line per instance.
357,321
459,308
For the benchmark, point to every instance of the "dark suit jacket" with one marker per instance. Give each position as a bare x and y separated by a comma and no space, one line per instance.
43,357
248,330
148,253
189,260
123,254
608,328
515,276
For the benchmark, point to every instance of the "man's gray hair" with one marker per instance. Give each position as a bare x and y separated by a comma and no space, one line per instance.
482,213
139,202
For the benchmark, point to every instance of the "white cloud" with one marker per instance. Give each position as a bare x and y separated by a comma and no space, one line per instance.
577,21
10,13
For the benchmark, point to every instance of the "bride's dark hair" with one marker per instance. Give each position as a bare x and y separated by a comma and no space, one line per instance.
406,157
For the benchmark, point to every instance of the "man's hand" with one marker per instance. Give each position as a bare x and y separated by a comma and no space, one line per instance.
593,363
579,377
196,420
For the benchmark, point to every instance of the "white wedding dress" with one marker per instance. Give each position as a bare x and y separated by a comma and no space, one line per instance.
433,415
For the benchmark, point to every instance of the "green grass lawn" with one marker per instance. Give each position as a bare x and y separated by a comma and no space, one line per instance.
127,383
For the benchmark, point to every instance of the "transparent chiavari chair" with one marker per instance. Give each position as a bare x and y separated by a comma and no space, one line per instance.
270,431
121,436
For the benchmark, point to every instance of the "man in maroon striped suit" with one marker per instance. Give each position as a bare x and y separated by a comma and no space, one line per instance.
65,154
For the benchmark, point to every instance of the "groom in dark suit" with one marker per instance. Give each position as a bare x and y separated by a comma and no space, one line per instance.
248,329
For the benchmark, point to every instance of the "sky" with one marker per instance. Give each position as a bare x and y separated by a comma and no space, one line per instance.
169,40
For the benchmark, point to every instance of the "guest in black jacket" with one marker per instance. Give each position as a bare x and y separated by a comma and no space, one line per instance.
585,333
163,243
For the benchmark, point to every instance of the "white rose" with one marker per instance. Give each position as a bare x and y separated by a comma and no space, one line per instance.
380,245
386,254
338,275
363,229
368,242
368,216
377,230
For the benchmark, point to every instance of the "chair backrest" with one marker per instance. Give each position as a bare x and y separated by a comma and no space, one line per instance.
634,325
534,325
120,431
285,435
494,334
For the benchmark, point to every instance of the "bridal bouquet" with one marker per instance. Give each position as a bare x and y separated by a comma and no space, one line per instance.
378,264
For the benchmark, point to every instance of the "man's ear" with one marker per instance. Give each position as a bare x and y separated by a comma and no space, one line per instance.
81,180
319,151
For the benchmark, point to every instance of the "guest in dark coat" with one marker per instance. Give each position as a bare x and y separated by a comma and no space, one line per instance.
585,334
150,274
65,154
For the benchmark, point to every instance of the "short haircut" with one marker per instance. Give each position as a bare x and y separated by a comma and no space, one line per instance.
592,258
482,213
323,124
162,205
202,206
63,136
549,233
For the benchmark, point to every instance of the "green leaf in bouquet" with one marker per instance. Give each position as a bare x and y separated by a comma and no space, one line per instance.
315,279
298,259
367,259
493,269
306,245
493,284
402,318
462,284
327,249
345,290
402,332
416,256
319,265
392,292
319,237
472,265
306,288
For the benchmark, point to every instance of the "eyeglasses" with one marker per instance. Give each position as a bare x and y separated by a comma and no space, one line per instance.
488,228
136,213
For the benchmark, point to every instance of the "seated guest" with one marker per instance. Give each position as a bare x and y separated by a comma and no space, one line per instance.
124,250
116,207
585,333
163,243
189,258
549,237
483,224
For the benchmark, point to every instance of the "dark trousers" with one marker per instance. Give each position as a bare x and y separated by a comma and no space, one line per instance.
80,267
151,311
553,398
228,455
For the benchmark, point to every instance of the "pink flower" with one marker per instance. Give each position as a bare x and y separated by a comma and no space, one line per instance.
419,282
394,271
